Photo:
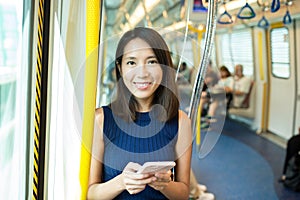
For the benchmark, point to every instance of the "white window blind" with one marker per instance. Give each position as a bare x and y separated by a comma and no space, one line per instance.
280,54
236,48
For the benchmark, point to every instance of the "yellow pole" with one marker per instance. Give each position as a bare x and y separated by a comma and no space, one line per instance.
198,53
90,83
199,38
198,125
260,58
263,125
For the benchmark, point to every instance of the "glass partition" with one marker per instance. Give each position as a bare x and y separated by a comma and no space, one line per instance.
14,97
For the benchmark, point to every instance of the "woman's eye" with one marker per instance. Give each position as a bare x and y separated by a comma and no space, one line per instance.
152,62
130,63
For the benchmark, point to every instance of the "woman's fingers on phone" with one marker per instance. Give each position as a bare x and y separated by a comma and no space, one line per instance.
134,189
162,180
164,177
134,184
136,176
138,179
158,185
132,167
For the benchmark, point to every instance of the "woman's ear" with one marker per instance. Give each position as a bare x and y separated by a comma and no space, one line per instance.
118,65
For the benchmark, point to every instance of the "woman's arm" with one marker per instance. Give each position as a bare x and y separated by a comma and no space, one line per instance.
98,190
178,189
127,180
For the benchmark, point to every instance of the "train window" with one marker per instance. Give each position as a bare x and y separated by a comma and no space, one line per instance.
280,54
13,95
236,48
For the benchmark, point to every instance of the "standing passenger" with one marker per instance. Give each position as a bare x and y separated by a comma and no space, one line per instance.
142,124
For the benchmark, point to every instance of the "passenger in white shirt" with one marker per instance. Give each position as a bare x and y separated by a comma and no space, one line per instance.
241,86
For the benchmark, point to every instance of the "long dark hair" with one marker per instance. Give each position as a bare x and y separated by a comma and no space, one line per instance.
225,69
165,95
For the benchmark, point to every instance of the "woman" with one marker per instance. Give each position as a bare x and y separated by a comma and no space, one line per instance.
226,78
227,82
142,124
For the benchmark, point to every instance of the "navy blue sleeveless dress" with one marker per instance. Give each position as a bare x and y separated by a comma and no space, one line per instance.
146,139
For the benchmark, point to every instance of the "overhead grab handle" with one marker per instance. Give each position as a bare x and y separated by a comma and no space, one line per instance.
263,23
287,18
275,5
246,12
225,18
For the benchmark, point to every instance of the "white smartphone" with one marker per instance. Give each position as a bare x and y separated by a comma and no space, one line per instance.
153,167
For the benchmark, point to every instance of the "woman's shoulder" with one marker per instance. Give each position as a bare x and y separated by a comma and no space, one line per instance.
182,116
229,78
185,127
103,111
99,112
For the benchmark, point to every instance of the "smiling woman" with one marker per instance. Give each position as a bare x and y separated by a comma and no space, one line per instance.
152,52
141,71
142,124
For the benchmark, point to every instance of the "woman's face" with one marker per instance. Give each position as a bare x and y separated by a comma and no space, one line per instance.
224,74
141,72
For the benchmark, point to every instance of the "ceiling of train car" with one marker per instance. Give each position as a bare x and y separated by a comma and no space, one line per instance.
122,14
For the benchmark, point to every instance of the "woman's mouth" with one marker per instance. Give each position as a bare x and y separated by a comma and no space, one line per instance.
142,85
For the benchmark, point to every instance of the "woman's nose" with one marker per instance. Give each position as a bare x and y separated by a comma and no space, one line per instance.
142,70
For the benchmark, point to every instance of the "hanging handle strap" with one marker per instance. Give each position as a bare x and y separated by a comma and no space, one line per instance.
275,5
225,18
246,12
263,23
287,19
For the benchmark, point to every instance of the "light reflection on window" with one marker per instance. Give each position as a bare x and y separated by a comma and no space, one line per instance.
12,138
280,53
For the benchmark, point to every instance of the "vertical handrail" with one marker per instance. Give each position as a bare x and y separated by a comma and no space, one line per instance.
41,82
198,85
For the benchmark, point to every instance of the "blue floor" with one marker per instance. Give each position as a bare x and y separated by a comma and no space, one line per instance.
242,166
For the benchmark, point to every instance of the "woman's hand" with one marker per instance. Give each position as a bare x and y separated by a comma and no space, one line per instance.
134,182
161,181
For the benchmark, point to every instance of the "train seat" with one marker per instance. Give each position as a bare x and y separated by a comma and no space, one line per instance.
248,110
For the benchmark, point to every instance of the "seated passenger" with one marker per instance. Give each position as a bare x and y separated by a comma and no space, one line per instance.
293,147
211,79
225,84
241,86
184,74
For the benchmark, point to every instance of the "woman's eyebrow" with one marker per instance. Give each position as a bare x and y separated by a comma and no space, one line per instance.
150,57
134,58
130,58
